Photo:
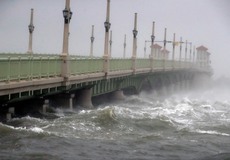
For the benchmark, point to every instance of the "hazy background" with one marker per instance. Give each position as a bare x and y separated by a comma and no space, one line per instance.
203,22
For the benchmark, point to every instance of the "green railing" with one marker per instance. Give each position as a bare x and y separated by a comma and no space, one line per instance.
85,65
16,67
143,63
120,64
158,63
22,68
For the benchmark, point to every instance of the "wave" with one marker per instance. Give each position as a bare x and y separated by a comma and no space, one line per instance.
138,116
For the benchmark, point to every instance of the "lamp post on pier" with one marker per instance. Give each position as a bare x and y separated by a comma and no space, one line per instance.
67,14
124,53
92,40
107,25
190,52
173,53
145,49
152,43
180,50
193,57
134,55
164,49
31,29
186,50
110,44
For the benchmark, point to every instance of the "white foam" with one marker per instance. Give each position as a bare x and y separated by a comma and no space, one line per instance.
37,130
211,132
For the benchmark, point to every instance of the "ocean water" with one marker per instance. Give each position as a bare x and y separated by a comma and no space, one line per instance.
189,125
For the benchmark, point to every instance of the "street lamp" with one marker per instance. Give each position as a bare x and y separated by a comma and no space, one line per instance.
145,49
92,40
67,14
124,52
135,33
152,38
134,55
107,26
31,29
110,44
152,42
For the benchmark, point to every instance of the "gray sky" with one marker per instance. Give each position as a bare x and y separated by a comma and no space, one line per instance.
203,22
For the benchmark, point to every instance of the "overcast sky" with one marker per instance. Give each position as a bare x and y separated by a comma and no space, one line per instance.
203,22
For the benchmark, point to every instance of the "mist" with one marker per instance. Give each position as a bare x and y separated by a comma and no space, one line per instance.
203,22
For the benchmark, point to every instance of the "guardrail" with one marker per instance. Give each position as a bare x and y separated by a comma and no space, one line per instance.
36,66
21,68
118,64
85,65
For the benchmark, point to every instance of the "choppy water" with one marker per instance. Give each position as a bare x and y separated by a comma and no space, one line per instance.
192,125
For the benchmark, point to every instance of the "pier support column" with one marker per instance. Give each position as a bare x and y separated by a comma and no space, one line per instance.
71,101
11,111
188,82
45,106
170,88
177,87
117,95
8,117
183,85
85,98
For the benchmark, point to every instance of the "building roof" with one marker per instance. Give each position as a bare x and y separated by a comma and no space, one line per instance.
202,48
165,51
157,46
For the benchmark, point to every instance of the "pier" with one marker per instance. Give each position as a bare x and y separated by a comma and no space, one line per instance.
80,78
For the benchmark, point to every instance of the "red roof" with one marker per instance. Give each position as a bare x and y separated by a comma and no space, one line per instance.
166,51
202,48
157,46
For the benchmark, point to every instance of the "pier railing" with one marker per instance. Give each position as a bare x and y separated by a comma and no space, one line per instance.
21,68
16,67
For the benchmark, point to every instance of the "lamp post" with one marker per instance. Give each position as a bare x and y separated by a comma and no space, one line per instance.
134,43
164,49
152,43
67,14
186,49
193,57
152,39
145,49
107,25
190,52
180,50
110,44
31,29
124,53
173,53
92,40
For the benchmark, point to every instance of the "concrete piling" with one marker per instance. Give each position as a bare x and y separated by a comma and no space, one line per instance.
71,101
118,95
45,106
84,99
